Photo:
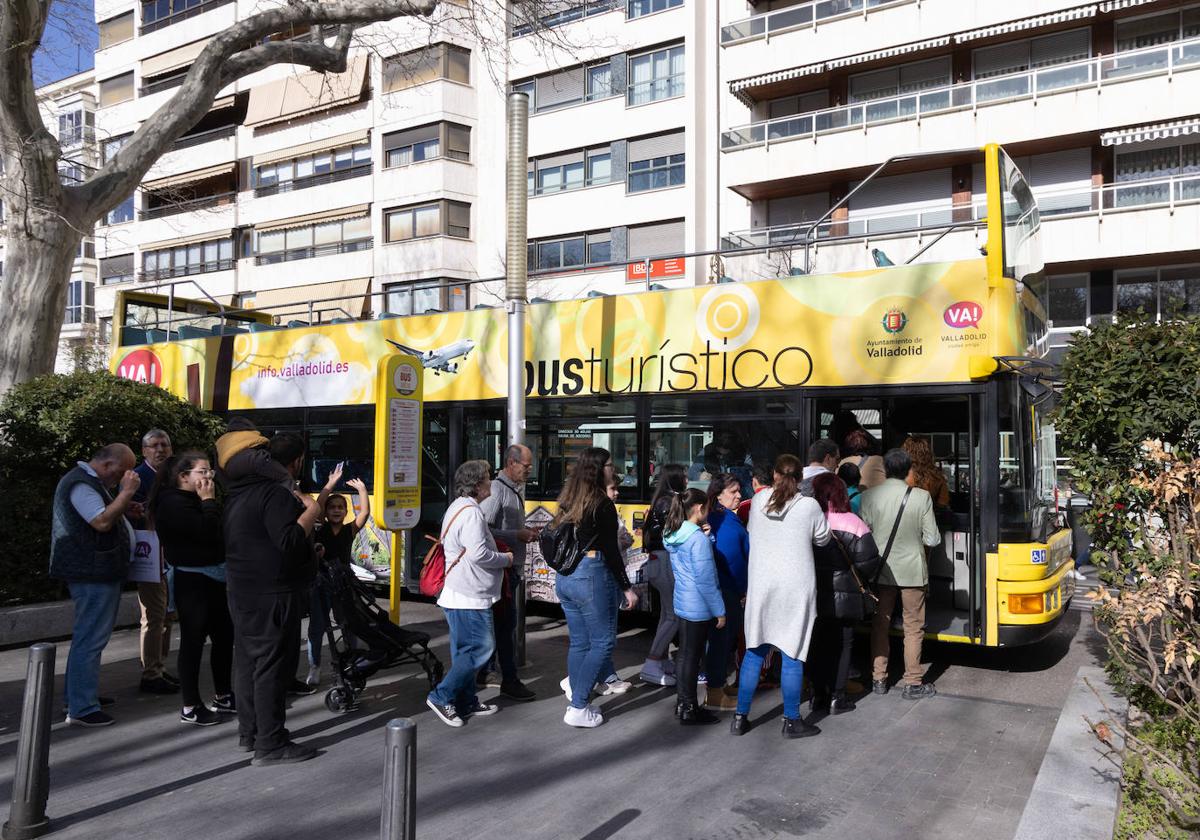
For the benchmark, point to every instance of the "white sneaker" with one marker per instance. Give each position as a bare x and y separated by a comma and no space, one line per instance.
654,673
565,685
614,685
588,717
314,675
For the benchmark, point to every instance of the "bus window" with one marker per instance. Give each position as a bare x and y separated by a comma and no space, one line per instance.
1022,252
339,435
483,436
558,432
1016,464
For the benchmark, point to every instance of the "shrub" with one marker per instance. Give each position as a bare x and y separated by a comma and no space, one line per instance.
49,423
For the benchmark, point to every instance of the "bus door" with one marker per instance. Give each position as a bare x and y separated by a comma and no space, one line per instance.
950,424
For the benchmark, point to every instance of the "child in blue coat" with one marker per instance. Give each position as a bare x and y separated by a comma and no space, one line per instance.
697,596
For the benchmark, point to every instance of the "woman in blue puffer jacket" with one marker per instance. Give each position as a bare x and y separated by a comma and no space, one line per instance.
697,597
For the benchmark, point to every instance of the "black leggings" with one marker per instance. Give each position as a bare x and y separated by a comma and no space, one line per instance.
693,636
829,655
203,611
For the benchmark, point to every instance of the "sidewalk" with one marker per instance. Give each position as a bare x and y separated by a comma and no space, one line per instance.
960,764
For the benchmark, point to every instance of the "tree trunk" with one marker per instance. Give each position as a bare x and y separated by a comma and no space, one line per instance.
33,294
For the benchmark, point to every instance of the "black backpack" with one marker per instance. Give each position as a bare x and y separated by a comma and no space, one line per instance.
560,547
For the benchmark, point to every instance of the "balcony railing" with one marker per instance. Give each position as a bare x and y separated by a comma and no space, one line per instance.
313,180
1150,194
201,137
1031,84
313,251
191,204
800,16
193,9
159,85
523,26
186,270
652,90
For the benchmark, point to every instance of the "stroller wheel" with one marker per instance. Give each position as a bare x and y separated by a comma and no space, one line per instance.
339,700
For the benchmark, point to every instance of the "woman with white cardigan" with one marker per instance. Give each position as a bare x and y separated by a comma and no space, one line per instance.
474,575
781,600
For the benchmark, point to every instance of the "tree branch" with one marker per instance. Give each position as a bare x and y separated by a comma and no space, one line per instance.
232,54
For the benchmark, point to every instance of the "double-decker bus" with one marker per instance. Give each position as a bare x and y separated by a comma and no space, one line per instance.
719,377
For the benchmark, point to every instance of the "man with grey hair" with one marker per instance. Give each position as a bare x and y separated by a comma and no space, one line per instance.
156,621
504,511
90,546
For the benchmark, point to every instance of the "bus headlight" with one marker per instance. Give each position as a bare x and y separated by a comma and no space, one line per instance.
1026,604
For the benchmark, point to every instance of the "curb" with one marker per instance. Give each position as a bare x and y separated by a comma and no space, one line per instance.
54,621
1076,791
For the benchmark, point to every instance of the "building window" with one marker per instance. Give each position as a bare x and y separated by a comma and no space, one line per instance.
104,333
70,173
323,167
659,239
164,81
427,142
1160,293
116,90
159,13
87,249
81,303
895,81
187,259
599,81
76,126
655,162
115,30
120,214
438,218
437,61
302,242
570,171
441,295
656,75
1153,30
640,8
114,270
1068,299
524,18
110,147
571,86
573,252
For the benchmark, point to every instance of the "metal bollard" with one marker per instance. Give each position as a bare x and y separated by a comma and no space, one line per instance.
31,781
399,818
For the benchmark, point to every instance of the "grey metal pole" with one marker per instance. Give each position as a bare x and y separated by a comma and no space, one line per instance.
31,780
398,820
515,301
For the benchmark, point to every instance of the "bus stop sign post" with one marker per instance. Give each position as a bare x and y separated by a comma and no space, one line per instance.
398,427
515,299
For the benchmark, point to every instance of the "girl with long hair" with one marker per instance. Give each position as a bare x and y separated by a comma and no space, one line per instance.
849,558
697,596
925,473
185,513
591,594
731,550
781,593
672,480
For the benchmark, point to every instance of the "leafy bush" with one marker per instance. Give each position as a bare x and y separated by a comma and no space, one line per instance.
1123,385
48,424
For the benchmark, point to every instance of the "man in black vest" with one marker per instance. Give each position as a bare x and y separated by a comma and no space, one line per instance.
270,565
90,545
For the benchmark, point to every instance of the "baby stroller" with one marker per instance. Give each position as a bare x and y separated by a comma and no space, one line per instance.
363,640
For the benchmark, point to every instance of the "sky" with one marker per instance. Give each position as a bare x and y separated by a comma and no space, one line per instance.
68,43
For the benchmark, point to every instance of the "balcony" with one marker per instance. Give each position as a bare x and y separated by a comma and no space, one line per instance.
801,16
313,180
314,251
1094,73
188,205
157,15
189,140
561,16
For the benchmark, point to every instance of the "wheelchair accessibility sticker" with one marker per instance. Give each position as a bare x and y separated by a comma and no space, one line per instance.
1038,556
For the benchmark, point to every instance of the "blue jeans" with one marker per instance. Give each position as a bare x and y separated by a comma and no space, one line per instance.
590,600
791,681
472,642
95,614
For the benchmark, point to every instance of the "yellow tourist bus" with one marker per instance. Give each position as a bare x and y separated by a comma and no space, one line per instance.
718,377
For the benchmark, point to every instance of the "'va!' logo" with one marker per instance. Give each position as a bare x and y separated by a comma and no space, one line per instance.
895,320
141,366
965,313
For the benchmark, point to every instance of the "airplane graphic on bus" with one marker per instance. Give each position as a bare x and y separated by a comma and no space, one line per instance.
440,360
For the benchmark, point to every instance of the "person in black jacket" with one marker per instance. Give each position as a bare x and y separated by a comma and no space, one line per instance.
270,564
184,512
839,597
658,667
591,594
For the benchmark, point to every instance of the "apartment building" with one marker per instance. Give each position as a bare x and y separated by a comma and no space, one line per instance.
1096,101
381,189
68,109
658,128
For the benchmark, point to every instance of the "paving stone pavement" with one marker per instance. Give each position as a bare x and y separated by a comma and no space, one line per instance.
957,765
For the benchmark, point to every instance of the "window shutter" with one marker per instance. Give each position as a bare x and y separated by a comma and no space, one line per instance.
560,88
661,239
657,146
1061,48
397,139
1005,58
116,266
458,139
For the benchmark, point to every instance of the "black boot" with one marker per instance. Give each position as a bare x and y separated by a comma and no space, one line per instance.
694,715
841,704
821,702
797,728
740,725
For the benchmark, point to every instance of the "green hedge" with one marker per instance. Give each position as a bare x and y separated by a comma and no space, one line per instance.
48,424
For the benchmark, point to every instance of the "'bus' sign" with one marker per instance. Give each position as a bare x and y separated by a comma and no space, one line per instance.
141,366
963,314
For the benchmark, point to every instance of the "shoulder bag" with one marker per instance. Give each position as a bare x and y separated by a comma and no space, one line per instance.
561,548
892,536
870,601
433,567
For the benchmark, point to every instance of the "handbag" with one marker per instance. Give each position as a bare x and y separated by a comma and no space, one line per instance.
433,567
561,548
870,601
